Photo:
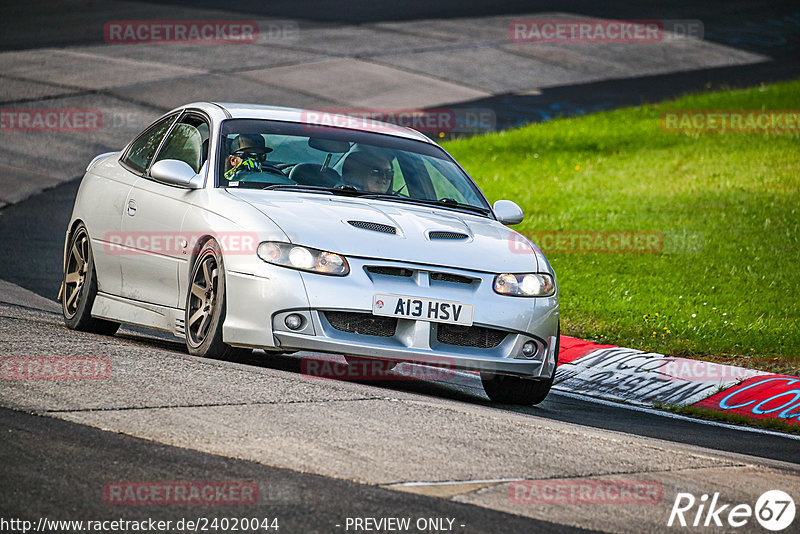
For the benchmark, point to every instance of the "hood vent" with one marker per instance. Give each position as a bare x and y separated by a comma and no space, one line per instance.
437,234
375,227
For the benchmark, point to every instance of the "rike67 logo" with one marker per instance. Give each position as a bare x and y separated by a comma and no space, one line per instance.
774,510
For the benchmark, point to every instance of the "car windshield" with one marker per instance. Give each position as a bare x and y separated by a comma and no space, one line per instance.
265,154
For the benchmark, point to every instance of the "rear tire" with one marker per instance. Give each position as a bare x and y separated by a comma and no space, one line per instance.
79,287
505,389
206,307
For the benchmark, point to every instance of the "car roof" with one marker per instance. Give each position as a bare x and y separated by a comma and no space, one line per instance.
336,119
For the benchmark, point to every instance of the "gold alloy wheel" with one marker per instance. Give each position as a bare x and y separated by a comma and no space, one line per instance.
203,298
75,272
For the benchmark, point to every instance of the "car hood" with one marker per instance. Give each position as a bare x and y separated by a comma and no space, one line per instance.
325,222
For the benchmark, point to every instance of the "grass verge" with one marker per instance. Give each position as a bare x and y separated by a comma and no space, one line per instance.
725,286
733,418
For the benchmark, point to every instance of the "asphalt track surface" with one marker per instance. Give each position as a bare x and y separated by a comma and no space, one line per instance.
56,469
59,462
378,434
771,29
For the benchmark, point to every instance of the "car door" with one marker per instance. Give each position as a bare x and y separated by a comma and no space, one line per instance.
105,192
155,215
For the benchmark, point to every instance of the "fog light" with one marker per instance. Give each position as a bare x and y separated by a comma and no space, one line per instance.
529,349
293,321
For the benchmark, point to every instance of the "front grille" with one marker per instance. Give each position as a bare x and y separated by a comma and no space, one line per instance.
447,277
390,271
438,234
362,323
469,336
375,227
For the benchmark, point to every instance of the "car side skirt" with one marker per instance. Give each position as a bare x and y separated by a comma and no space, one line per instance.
127,311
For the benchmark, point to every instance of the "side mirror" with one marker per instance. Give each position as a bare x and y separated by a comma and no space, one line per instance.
175,172
508,212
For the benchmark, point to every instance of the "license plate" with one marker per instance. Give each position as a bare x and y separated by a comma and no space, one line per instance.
437,311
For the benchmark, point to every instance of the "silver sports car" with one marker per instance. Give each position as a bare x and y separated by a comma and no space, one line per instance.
240,226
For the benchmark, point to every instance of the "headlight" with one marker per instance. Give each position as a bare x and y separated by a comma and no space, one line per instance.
303,258
525,285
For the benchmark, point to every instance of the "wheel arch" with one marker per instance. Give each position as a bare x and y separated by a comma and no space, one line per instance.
187,280
67,238
195,253
70,232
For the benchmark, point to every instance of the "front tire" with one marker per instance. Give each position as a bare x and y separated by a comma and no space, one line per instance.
505,389
206,307
515,390
79,287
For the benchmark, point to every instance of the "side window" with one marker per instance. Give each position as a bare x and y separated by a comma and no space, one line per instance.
444,188
187,142
399,185
145,146
447,182
415,181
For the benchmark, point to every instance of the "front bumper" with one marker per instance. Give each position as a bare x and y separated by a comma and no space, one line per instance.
258,305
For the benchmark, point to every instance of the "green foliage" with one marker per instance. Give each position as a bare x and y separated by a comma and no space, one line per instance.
733,418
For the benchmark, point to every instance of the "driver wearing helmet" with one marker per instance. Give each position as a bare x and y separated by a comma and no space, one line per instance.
248,152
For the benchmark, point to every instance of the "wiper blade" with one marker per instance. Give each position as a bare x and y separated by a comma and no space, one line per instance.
347,190
445,203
